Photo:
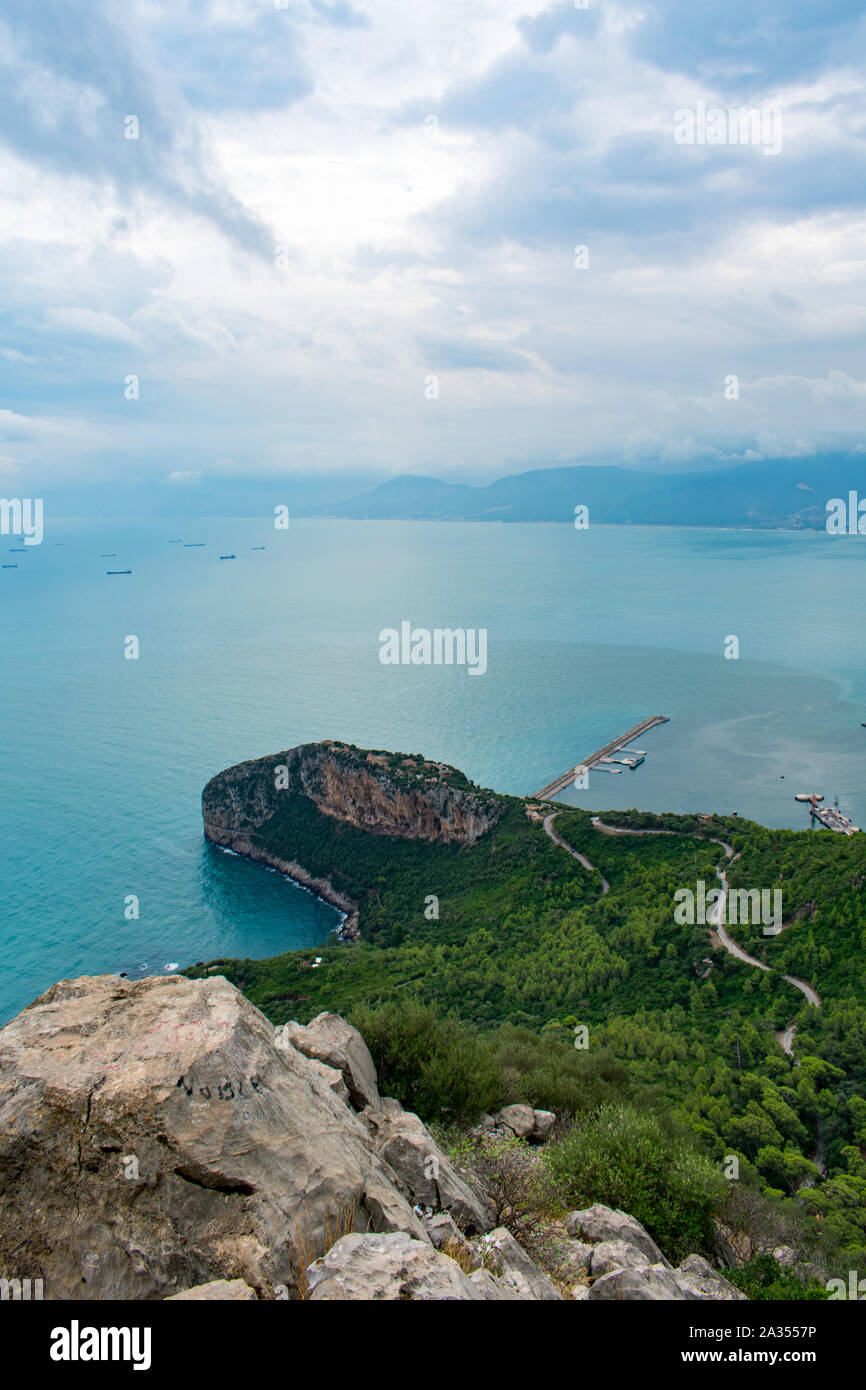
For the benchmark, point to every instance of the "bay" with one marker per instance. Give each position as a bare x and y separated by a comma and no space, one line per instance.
103,759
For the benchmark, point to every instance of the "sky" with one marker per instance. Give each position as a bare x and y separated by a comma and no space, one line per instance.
247,240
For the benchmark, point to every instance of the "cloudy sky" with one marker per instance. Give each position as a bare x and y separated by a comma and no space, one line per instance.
331,203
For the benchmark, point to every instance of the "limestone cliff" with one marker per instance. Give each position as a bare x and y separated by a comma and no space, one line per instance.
387,794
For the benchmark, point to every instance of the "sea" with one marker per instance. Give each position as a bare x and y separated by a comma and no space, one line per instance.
751,642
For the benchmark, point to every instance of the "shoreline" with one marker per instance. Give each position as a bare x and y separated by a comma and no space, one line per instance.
321,888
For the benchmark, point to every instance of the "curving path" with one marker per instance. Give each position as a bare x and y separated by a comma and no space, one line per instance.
575,853
786,1038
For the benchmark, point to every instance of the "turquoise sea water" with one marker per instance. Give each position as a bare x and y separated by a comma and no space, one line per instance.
102,759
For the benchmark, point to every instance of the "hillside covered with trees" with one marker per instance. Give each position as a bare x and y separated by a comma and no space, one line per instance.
526,980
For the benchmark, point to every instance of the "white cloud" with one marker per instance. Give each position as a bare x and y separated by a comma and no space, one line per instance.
91,323
410,252
183,478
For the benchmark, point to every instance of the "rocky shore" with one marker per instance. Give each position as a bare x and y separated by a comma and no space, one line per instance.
239,842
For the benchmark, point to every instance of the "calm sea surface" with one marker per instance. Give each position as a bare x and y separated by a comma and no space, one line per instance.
102,759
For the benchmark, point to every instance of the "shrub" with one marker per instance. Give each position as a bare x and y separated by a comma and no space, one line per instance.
629,1159
550,1074
516,1184
768,1222
434,1065
764,1278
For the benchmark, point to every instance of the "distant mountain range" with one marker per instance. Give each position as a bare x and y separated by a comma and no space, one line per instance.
789,493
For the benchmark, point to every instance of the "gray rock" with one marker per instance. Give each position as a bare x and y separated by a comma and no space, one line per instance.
441,1229
230,1290
409,1149
491,1288
154,1136
698,1280
330,1075
514,1267
520,1119
651,1284
599,1222
330,1039
786,1256
544,1121
576,1260
394,1268
610,1255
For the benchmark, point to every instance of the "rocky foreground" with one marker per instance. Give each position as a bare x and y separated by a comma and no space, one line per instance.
161,1139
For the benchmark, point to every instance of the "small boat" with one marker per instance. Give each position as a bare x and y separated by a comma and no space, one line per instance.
17,550
179,541
10,567
108,555
262,547
193,545
118,571
228,557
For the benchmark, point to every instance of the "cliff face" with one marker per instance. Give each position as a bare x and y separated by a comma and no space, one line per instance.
378,792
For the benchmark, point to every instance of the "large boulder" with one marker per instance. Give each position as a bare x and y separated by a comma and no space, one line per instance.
610,1255
330,1075
698,1280
536,1126
652,1284
395,1268
409,1149
543,1126
506,1258
598,1222
153,1137
330,1039
520,1119
625,1263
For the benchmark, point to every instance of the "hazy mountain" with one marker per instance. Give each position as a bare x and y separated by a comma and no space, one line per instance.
776,493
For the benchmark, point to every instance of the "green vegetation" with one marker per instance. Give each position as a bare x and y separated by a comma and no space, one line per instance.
526,947
633,1160
764,1277
438,1068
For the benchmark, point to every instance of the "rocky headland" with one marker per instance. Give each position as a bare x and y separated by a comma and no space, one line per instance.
381,793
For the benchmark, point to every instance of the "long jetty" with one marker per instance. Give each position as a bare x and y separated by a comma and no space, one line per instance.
566,778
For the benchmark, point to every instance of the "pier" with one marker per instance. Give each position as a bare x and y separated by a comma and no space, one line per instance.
604,754
831,817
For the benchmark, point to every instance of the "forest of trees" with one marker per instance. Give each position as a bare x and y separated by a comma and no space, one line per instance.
525,941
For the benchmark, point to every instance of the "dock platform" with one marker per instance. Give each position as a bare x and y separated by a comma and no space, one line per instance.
566,778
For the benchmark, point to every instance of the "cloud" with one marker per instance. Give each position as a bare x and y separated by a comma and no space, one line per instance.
340,13
329,202
183,478
90,323
746,48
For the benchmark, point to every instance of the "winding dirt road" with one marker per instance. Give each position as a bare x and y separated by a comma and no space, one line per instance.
714,913
575,853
